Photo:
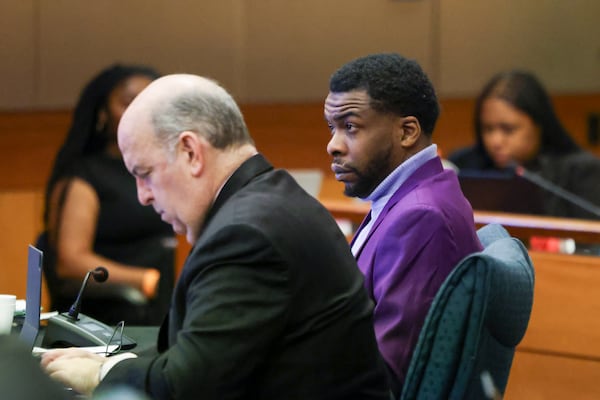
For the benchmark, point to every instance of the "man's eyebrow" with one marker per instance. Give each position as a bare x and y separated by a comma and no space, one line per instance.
338,117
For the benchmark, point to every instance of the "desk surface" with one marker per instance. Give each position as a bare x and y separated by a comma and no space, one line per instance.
144,336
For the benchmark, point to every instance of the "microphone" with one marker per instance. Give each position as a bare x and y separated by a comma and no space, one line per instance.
74,329
100,274
555,189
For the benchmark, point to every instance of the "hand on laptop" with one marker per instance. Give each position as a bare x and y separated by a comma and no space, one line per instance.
76,368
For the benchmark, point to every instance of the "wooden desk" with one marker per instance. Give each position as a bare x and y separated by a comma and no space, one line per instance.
521,226
524,226
559,357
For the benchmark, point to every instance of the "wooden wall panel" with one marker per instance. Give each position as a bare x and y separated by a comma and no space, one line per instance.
273,51
18,52
290,135
542,377
28,145
77,39
556,40
566,308
291,48
20,222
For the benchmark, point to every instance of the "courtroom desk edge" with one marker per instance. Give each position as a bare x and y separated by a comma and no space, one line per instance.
524,226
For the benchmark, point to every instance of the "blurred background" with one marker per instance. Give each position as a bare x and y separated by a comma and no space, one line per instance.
284,51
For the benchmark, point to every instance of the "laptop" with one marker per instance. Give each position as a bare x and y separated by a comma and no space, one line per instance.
309,179
506,192
33,297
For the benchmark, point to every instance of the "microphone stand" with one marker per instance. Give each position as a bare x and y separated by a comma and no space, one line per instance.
100,274
557,190
76,307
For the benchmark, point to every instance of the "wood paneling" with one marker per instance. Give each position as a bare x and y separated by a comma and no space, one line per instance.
543,377
272,51
28,144
552,39
525,226
18,52
291,135
291,48
20,222
566,307
79,39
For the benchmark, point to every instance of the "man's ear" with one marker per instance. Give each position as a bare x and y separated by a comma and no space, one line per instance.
410,131
192,148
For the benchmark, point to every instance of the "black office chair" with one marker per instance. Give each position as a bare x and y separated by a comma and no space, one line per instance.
475,322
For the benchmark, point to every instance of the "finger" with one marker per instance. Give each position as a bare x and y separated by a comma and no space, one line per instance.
79,353
67,379
79,373
61,376
70,353
50,356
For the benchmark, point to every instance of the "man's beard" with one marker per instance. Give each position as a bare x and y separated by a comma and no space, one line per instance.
372,175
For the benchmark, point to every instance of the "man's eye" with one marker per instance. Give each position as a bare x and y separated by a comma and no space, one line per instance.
350,127
143,174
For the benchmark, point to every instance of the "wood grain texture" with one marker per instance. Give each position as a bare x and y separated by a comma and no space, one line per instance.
291,135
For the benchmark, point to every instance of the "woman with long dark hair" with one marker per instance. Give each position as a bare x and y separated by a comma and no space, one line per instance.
92,216
515,124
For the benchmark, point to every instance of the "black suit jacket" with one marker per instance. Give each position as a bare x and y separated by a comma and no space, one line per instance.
270,305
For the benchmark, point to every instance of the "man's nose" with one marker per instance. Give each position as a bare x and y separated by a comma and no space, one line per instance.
336,145
144,193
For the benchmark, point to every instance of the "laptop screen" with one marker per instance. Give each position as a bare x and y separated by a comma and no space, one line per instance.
501,192
33,297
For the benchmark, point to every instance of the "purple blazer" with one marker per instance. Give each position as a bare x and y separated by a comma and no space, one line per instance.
424,230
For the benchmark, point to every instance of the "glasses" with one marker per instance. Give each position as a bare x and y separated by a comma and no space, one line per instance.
117,337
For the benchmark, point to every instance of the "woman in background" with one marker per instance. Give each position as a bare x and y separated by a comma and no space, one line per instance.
515,124
92,215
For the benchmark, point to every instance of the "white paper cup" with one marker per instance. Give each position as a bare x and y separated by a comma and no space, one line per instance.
7,312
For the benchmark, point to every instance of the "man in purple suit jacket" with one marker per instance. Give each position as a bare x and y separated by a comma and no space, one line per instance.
381,111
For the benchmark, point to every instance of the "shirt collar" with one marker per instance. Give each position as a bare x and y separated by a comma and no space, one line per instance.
382,193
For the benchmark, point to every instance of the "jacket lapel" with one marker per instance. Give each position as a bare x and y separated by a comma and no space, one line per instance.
427,170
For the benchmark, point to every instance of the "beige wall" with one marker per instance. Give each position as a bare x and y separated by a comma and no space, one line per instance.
558,40
284,51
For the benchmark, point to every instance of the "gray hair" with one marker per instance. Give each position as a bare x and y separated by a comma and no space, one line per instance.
212,114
